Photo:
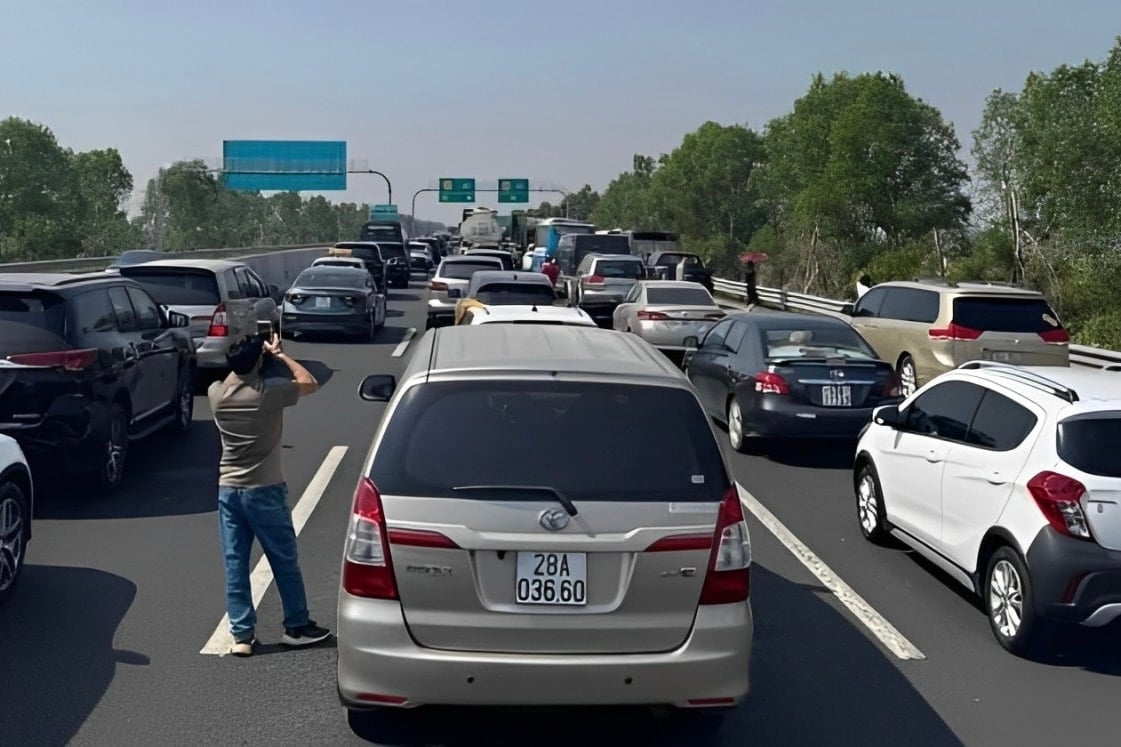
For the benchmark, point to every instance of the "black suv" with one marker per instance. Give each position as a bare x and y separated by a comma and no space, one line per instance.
664,266
398,269
89,363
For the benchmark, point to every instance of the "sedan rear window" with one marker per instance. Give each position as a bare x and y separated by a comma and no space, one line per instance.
817,342
464,270
329,279
679,297
179,288
1091,443
516,294
590,441
621,269
992,314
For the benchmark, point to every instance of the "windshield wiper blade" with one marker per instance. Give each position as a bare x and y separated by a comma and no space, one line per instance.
561,498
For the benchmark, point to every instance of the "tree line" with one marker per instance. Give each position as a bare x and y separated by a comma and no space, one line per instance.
56,204
864,178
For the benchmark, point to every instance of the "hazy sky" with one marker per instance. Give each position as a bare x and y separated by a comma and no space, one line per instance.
561,92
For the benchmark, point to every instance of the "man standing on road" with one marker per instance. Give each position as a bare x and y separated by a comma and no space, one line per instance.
551,270
252,493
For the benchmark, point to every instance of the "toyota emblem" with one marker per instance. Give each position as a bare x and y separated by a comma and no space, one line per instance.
553,519
837,373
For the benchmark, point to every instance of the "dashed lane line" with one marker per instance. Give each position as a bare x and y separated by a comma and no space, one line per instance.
876,623
261,578
404,344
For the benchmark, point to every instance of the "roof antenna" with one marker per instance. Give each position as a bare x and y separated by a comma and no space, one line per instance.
534,307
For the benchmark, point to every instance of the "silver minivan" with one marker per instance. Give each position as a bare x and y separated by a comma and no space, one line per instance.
614,572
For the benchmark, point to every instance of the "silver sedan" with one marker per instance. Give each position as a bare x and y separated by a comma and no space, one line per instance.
665,312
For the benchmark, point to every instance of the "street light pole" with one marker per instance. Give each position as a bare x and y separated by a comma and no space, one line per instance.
388,184
412,211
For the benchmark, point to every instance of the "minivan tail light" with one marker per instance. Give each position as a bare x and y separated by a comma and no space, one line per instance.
367,565
682,542
436,285
219,322
768,382
954,331
69,360
1055,336
652,316
421,538
1058,497
594,280
728,577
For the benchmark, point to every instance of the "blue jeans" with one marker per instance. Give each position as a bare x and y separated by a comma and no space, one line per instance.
261,513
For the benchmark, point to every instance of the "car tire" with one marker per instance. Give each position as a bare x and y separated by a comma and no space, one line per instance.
1007,597
15,524
871,513
185,399
908,376
734,419
113,449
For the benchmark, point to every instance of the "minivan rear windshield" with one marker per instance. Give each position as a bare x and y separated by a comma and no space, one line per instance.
1091,443
516,294
591,441
621,268
993,314
464,270
177,288
389,251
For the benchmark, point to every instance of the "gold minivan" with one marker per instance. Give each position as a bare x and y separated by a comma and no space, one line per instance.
925,328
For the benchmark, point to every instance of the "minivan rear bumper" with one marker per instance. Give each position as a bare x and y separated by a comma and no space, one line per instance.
379,664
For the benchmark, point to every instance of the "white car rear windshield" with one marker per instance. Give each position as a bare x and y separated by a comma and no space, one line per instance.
591,441
1091,443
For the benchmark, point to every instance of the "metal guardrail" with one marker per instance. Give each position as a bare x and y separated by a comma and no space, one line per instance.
781,298
86,264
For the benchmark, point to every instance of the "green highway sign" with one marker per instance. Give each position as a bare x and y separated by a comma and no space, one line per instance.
513,190
383,212
457,190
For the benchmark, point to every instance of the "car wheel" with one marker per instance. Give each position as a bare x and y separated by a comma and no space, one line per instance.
185,399
908,376
114,449
15,520
870,510
735,426
1008,601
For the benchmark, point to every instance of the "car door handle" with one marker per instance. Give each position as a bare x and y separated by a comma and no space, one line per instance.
934,457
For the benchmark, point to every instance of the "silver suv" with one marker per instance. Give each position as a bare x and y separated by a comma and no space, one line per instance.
225,300
618,574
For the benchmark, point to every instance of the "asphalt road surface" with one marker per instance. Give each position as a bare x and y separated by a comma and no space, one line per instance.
101,643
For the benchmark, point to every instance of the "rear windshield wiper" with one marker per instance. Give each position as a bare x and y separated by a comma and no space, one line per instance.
560,497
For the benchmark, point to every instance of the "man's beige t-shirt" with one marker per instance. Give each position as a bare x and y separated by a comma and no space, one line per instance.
249,413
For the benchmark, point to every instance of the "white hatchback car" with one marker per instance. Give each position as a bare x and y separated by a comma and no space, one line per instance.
1008,479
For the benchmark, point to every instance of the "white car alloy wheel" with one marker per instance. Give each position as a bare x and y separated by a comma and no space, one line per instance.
735,424
1006,599
868,503
908,376
13,533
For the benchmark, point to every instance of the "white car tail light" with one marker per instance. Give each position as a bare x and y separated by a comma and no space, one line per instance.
728,578
1058,497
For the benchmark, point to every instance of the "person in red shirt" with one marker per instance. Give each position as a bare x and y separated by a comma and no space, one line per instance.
551,271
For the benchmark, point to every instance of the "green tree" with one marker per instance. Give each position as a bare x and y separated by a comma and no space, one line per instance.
38,194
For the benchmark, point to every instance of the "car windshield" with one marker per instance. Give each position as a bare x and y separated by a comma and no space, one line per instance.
1091,443
178,288
330,279
620,269
515,294
464,270
609,432
678,297
817,342
993,314
673,259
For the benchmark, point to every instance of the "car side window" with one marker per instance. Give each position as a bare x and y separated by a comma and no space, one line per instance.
262,286
245,284
910,305
870,303
735,337
944,411
1000,423
122,309
714,340
147,313
92,312
233,290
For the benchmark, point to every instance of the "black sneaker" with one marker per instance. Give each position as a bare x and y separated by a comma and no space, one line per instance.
305,636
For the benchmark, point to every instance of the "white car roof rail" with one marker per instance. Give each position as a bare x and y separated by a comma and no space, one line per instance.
1027,377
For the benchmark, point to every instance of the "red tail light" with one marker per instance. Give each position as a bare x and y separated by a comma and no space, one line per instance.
892,387
652,316
219,322
367,565
681,542
1055,336
420,538
436,285
1058,498
70,360
728,578
768,382
593,280
954,332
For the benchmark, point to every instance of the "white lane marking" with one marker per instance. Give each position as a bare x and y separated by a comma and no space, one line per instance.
261,578
876,623
404,344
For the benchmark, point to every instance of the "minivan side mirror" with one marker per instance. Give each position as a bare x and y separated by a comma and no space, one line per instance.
848,308
888,415
377,387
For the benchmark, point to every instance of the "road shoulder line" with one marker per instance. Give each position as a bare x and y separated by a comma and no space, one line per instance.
404,344
261,577
877,624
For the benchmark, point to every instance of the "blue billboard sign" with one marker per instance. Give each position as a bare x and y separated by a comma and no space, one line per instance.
284,165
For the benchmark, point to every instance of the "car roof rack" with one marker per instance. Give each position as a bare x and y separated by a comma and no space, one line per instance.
1027,377
988,284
